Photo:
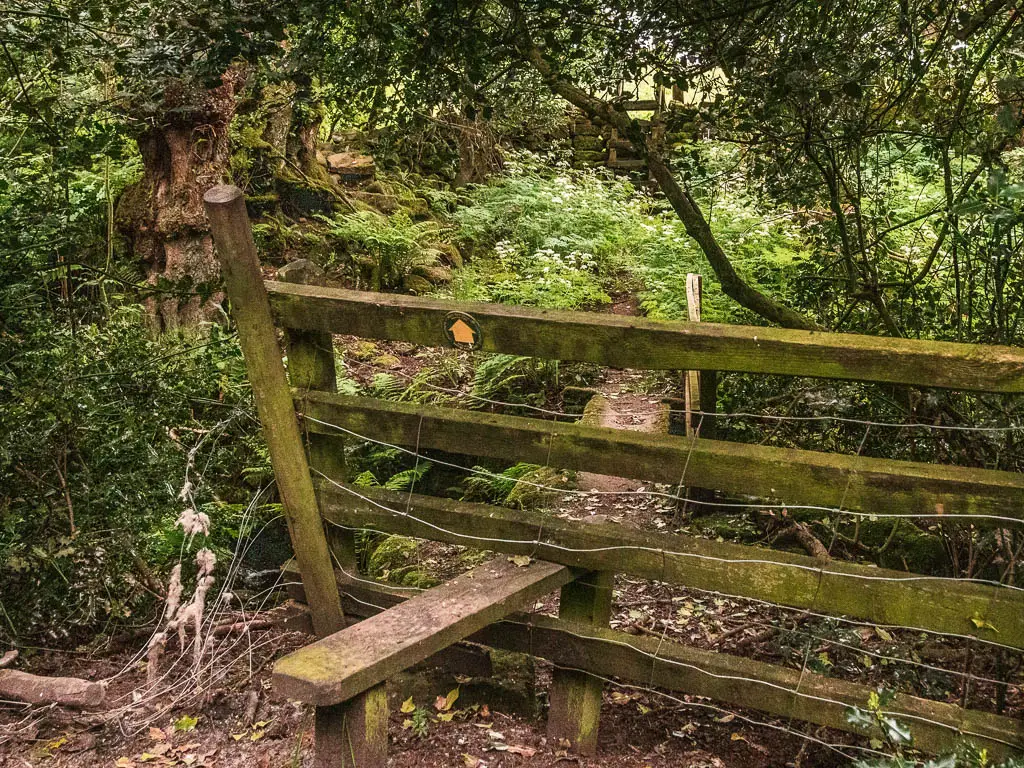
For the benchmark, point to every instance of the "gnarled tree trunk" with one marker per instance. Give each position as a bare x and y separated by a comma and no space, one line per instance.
184,153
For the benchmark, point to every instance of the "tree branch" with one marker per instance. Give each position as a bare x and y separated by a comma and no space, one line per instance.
682,202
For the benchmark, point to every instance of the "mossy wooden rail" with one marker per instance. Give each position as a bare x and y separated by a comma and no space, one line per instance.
350,716
631,342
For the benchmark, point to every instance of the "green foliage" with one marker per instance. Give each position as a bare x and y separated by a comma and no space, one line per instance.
565,239
389,248
893,736
522,486
96,423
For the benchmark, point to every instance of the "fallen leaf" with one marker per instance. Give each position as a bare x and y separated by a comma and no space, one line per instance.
736,737
256,735
185,723
407,706
470,761
524,751
725,719
521,560
444,703
883,634
124,762
980,623
157,734
446,717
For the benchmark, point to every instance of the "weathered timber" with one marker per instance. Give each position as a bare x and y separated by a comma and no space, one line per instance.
339,667
354,733
641,105
66,691
232,236
633,342
875,594
794,476
669,665
311,366
575,712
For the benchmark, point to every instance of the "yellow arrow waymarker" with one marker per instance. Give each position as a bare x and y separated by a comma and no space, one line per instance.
462,330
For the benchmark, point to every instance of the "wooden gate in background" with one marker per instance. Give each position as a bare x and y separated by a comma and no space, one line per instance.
343,673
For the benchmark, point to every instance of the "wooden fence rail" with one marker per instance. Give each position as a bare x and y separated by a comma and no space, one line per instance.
798,477
987,612
631,342
584,650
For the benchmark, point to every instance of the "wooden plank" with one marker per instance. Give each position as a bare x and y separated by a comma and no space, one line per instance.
232,235
632,342
339,667
794,476
641,105
743,682
789,693
875,594
700,394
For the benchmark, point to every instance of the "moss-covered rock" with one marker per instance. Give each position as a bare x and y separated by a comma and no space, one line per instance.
417,284
450,254
437,274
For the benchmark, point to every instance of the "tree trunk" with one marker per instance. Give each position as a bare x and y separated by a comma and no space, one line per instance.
184,153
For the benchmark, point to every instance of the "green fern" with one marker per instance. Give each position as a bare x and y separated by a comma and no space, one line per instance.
392,246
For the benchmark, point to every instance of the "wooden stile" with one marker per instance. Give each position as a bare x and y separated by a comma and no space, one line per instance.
343,674
337,668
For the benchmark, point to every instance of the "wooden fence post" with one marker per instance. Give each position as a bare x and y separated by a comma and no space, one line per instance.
353,734
575,696
311,366
232,235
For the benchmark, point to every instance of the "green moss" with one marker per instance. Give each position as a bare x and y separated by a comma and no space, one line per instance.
395,559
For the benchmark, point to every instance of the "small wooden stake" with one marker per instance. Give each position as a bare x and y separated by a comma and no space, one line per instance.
354,734
232,235
576,696
701,396
311,367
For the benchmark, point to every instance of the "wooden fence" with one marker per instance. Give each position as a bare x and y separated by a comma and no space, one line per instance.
579,642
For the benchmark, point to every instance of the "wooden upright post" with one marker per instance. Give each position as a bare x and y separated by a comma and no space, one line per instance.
576,696
702,386
232,235
354,733
700,392
311,366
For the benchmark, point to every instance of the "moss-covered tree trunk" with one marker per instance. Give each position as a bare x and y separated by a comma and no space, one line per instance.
185,151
